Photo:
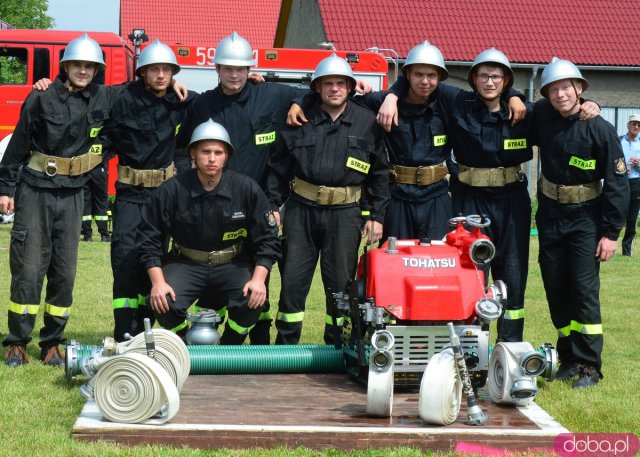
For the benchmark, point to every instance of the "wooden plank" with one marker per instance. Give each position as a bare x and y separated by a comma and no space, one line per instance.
316,411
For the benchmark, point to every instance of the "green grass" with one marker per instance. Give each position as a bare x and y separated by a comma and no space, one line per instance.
39,407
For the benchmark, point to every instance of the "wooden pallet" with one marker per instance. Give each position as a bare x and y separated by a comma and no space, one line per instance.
316,411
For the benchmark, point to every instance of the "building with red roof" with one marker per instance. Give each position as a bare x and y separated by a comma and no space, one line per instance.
202,22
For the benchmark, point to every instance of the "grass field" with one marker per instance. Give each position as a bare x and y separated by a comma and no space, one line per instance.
38,407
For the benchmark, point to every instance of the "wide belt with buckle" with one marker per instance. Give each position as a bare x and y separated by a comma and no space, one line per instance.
489,177
144,178
570,194
210,258
419,176
324,195
64,166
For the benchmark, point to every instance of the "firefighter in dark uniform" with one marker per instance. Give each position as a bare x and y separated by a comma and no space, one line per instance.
583,196
418,148
225,239
253,115
56,142
489,152
96,204
145,120
337,162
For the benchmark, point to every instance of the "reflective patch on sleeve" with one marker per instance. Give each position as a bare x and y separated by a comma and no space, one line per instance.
358,165
240,233
178,129
515,143
440,140
583,164
265,138
95,149
94,132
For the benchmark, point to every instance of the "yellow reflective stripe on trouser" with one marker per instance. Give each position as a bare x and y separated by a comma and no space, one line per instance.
264,316
125,303
586,329
57,311
86,218
179,327
514,314
101,218
23,309
238,328
142,300
329,320
290,317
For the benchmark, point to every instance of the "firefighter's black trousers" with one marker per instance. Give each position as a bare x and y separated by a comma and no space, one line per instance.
224,283
130,281
570,273
408,220
44,241
509,231
331,232
96,202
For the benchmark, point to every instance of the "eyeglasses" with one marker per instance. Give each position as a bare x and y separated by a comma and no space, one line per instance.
635,123
484,77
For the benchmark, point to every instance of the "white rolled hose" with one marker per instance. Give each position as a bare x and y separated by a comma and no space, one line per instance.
166,340
506,375
440,390
134,389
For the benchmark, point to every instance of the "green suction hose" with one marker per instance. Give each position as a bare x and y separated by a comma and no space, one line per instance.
251,359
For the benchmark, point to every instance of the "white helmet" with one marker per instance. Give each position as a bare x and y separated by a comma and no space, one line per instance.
157,52
235,51
334,66
491,56
427,54
210,130
84,49
559,69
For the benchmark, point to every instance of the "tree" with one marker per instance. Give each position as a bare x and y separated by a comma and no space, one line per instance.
26,14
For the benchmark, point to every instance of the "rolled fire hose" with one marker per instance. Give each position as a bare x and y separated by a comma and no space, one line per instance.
440,390
134,389
505,371
380,385
167,361
168,340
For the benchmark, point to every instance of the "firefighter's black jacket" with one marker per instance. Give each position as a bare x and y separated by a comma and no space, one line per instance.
142,132
578,152
252,118
237,209
321,151
59,123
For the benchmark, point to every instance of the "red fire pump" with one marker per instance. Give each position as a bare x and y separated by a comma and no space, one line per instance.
406,291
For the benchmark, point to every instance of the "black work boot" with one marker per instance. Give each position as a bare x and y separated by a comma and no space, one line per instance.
567,370
16,356
588,377
52,356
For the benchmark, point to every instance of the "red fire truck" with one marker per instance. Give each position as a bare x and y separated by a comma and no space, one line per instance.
29,55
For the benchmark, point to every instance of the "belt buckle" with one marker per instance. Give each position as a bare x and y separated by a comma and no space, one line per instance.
520,175
419,169
214,258
51,169
319,194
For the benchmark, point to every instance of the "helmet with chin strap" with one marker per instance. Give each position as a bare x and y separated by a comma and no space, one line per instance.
84,49
427,54
211,130
491,57
557,70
